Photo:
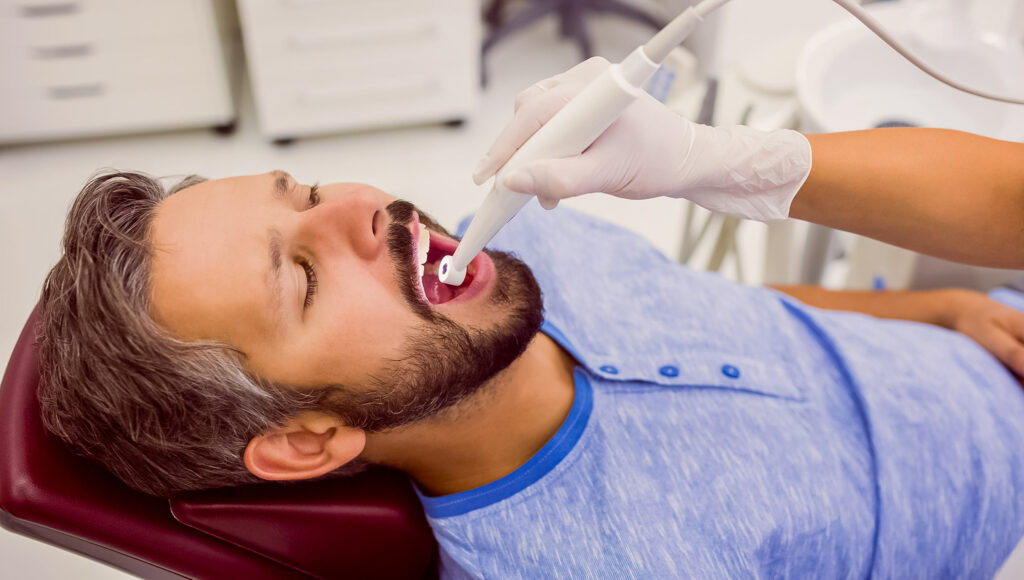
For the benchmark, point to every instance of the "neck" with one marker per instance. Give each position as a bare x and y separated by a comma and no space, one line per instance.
489,435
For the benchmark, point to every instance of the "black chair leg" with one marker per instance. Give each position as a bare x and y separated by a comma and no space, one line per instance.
535,11
494,14
528,16
626,11
572,24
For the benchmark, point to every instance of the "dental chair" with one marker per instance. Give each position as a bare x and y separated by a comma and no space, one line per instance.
369,525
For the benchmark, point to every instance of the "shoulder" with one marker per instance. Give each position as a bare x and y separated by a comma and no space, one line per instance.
538,236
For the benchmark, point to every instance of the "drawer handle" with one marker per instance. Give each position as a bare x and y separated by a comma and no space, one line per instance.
63,51
83,91
48,10
380,34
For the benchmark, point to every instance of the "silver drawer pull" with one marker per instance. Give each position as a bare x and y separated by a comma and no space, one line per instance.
48,10
62,51
83,91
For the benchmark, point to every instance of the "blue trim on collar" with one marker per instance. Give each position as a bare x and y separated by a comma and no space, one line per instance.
542,462
563,341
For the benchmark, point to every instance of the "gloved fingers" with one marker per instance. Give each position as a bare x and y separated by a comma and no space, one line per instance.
531,116
581,73
547,203
585,71
534,107
552,180
532,92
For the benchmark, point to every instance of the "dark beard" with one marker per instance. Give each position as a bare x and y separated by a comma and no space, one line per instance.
445,363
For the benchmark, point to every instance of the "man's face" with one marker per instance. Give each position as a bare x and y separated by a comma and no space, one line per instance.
321,288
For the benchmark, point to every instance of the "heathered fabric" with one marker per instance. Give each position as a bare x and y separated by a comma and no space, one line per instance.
724,431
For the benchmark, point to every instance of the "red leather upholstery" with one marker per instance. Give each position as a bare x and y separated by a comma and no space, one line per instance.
367,525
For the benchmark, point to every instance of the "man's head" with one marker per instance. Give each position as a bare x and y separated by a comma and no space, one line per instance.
256,316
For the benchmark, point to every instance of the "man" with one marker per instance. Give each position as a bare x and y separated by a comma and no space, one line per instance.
662,423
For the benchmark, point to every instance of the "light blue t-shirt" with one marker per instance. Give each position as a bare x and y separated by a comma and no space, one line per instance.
725,431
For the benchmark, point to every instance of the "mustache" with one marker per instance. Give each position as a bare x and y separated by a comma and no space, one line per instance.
401,251
401,213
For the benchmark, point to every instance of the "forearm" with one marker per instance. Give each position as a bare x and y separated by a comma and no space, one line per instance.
938,307
945,193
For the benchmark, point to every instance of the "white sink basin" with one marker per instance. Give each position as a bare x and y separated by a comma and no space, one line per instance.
848,79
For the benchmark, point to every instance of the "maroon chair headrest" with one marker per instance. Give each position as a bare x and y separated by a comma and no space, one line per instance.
367,525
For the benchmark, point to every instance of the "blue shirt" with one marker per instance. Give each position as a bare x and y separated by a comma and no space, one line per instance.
725,431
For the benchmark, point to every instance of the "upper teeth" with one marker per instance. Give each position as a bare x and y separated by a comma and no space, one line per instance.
423,244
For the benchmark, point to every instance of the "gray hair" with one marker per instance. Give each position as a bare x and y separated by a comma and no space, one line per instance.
164,415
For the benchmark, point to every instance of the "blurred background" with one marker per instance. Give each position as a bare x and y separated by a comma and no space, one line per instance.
407,95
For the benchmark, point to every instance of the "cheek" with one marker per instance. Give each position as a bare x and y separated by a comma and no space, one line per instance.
358,336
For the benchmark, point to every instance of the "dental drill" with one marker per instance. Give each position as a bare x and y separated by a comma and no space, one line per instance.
593,110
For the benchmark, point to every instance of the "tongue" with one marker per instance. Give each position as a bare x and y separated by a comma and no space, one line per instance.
437,292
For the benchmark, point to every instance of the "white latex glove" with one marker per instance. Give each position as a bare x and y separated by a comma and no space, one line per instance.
651,151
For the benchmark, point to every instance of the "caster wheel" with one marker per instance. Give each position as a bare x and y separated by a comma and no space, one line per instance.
454,123
226,129
284,141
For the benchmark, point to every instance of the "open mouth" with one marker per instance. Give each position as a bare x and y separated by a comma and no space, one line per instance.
429,252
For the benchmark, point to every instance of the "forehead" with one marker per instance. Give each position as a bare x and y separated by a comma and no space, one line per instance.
206,260
225,189
213,210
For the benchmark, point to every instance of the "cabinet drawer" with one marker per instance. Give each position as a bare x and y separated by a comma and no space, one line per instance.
400,44
318,66
299,13
292,110
122,23
152,63
110,106
167,86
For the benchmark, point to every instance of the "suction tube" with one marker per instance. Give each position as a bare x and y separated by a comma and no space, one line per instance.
874,26
594,109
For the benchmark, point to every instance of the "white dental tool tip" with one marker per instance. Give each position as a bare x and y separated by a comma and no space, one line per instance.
448,274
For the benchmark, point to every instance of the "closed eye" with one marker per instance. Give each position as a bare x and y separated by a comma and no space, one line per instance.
311,283
314,196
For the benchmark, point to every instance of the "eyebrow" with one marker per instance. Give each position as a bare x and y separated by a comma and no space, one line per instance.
277,289
282,183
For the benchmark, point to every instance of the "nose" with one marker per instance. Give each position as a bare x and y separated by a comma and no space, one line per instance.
344,222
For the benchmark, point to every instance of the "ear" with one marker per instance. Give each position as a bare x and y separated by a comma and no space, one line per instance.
308,445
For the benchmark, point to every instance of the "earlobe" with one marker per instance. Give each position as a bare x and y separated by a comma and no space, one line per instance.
307,446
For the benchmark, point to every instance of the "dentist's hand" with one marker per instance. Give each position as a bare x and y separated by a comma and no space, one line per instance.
651,151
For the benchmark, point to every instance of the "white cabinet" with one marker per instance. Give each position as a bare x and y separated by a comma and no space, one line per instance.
320,66
74,68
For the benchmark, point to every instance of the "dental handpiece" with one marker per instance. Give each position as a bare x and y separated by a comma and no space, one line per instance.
578,124
592,111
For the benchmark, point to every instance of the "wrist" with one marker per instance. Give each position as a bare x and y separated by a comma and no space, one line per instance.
745,172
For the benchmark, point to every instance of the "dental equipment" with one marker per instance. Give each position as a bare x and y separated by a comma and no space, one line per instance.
594,109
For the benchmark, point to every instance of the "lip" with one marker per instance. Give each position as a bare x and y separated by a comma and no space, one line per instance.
483,267
483,270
